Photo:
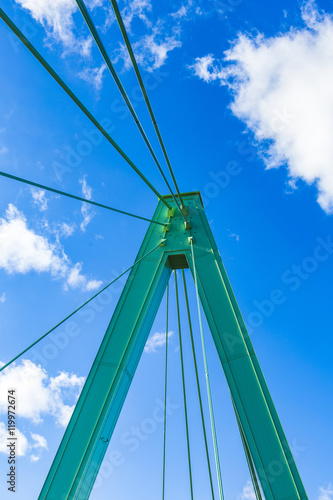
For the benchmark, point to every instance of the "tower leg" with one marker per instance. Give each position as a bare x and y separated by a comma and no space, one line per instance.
84,444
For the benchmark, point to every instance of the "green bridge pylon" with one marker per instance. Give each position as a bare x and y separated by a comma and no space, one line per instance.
80,454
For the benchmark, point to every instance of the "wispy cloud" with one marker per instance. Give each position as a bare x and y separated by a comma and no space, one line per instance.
136,8
66,230
282,91
155,341
3,298
39,199
94,76
233,235
39,441
152,50
162,34
180,13
57,19
326,493
248,492
86,210
3,150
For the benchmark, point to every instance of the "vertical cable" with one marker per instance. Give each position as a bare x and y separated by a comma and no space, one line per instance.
144,93
165,386
184,389
198,386
211,413
102,49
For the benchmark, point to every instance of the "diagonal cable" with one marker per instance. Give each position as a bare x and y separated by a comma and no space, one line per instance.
74,197
184,388
144,92
211,412
78,309
77,101
103,51
198,385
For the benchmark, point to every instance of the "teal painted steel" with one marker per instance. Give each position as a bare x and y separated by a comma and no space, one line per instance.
82,449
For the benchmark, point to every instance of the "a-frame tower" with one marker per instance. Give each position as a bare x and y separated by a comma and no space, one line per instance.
84,444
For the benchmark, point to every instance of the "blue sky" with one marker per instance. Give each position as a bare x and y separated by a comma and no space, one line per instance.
243,97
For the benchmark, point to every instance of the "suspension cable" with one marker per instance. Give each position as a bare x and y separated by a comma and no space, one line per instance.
184,388
84,200
249,460
198,385
145,95
71,94
165,386
78,309
102,49
211,412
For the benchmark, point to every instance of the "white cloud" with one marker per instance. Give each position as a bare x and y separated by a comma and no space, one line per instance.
181,12
162,35
3,298
152,50
184,11
204,68
93,285
282,92
155,341
40,395
77,280
67,229
3,149
23,446
86,211
233,235
248,492
22,250
57,19
38,196
86,189
40,441
136,8
94,76
326,493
